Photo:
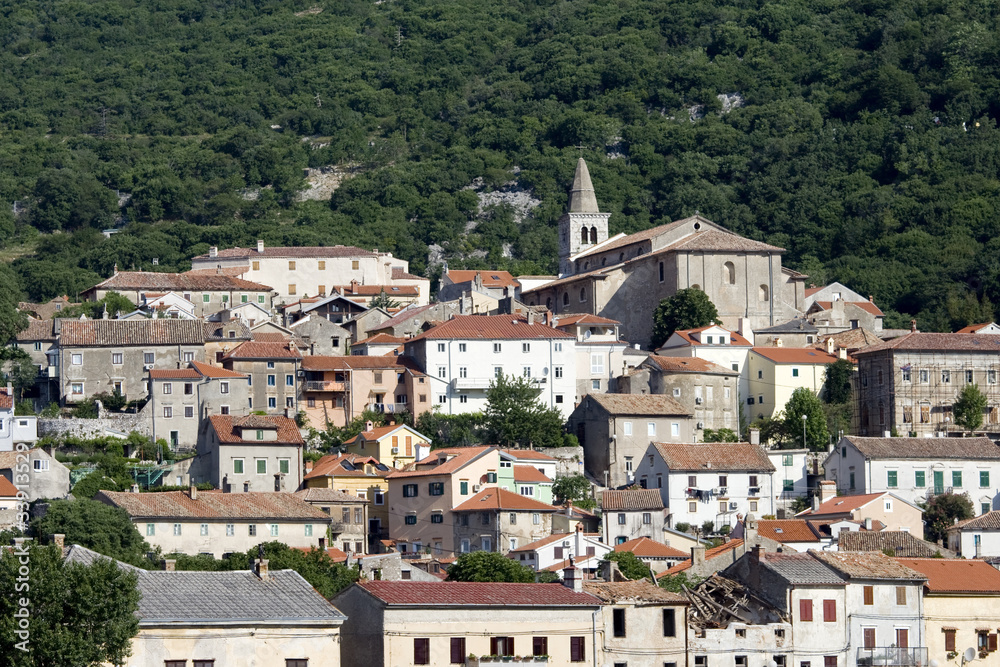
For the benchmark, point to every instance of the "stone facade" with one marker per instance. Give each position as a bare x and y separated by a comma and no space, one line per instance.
321,336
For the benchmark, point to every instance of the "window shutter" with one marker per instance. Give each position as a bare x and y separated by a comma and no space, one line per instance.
805,610
869,595
558,554
900,595
576,653
422,651
494,646
669,623
539,645
993,641
829,610
458,650
949,640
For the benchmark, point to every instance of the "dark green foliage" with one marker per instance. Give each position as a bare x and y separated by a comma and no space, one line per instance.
95,525
676,583
576,488
942,511
514,417
687,309
12,321
969,407
804,402
629,564
112,304
383,301
461,430
720,435
81,615
838,381
489,566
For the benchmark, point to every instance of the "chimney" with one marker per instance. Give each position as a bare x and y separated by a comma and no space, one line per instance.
193,492
569,508
260,246
871,299
610,571
829,346
213,251
168,564
115,269
778,342
913,326
59,539
260,568
572,578
749,529
10,389
815,506
868,523
697,555
827,490
531,317
755,436
369,425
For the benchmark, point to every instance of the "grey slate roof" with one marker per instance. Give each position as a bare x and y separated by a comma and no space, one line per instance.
926,448
795,325
903,544
230,597
801,568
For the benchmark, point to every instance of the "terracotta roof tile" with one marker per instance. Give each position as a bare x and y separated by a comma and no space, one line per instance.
653,405
200,281
584,318
359,362
495,498
269,337
225,428
491,279
973,328
787,530
709,555
6,401
528,454
841,505
867,306
689,365
7,489
629,591
867,565
175,374
955,576
213,505
988,521
643,547
853,339
926,448
631,500
510,327
457,458
381,339
938,342
715,456
209,371
319,252
124,333
903,544
528,473
399,274
795,355
327,496
37,330
374,290
461,593
347,465
264,350
735,339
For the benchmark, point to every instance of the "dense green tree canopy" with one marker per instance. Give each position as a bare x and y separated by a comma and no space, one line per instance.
689,308
489,566
942,511
970,407
628,564
94,525
514,417
576,488
805,403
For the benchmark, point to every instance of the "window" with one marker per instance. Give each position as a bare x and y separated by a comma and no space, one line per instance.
168,388
237,466
526,371
956,478
150,529
77,359
502,645
203,663
177,529
527,490
436,488
291,290
271,381
829,661
906,374
984,478
261,466
440,347
437,517
621,519
168,412
627,428
76,389
890,479
289,380
869,637
900,595
693,506
421,651
252,530
116,358
596,364
651,429
675,430
805,610
378,497
497,348
464,398
224,409
557,371
795,372
949,640
618,620
204,529
536,519
525,347
577,649
411,519
830,611
647,518
729,273
272,402
409,490
458,650
991,377
669,623
869,595
945,377
539,646
788,485
701,661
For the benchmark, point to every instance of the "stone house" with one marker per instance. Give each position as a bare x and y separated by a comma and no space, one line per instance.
796,332
217,523
839,315
208,292
978,537
38,341
320,336
422,495
363,477
336,390
182,400
868,511
273,368
47,477
642,624
378,345
496,519
656,555
362,325
95,356
917,469
222,336
710,482
776,372
252,453
632,513
405,623
247,617
496,284
910,383
336,309
348,517
413,320
600,353
615,431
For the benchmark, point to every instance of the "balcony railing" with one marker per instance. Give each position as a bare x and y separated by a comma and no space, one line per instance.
388,408
471,383
323,385
892,656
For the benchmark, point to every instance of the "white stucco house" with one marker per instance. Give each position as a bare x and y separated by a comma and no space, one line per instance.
978,537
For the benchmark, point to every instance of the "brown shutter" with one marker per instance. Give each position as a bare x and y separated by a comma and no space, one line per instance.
949,640
494,646
539,646
458,650
869,634
576,649
805,610
900,595
829,610
869,595
993,641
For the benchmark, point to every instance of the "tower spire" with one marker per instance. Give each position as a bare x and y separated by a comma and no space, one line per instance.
582,197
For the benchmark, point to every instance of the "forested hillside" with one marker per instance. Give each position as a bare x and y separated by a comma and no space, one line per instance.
862,139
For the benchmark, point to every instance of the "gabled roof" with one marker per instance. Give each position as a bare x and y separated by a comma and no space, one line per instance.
938,342
201,281
974,328
795,355
723,457
319,252
474,594
442,462
526,473
554,537
796,325
379,432
897,541
6,401
800,569
652,405
374,290
347,465
988,521
37,330
688,365
853,339
7,489
956,576
867,565
643,547
491,327
496,498
584,318
381,339
318,495
174,374
841,505
209,371
709,555
526,455
214,331
926,448
360,362
255,349
735,339
125,333
631,500
226,426
492,279
866,306
213,505
632,591
787,530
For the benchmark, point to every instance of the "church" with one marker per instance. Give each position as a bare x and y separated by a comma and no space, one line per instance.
624,277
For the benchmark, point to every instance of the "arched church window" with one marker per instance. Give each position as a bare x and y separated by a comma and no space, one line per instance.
593,234
729,273
548,302
565,298
583,235
583,294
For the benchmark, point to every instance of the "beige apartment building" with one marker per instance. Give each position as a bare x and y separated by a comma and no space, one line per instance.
496,519
273,370
423,495
776,372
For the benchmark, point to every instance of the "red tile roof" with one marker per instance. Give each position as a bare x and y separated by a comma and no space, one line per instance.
200,281
6,401
270,337
213,505
528,454
988,521
381,339
360,362
175,374
492,279
867,306
226,429
375,290
689,365
489,327
973,328
938,342
458,458
652,405
643,547
527,473
787,530
867,565
956,576
264,350
735,339
715,456
209,371
583,319
461,593
7,489
125,333
709,555
37,330
631,500
795,355
641,590
399,274
841,505
347,465
495,498
319,252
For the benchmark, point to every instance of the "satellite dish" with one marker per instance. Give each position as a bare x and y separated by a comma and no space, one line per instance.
970,654
586,334
772,663
545,371
934,663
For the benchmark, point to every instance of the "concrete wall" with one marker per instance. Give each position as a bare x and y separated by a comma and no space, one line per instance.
634,526
757,643
97,373
221,462
263,394
966,614
643,628
712,399
250,645
217,540
47,479
109,424
469,530
885,616
323,337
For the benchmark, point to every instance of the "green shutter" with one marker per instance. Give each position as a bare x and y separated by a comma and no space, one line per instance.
920,479
956,478
464,486
891,479
238,467
984,478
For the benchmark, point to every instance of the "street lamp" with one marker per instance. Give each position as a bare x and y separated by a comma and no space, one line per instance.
805,418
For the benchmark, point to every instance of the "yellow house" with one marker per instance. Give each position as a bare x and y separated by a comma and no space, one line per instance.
360,476
396,445
775,372
961,608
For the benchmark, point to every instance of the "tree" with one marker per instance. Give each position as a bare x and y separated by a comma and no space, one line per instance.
838,381
677,582
81,615
489,566
969,407
628,564
515,417
94,525
20,371
383,301
721,435
688,308
942,511
576,488
804,402
12,321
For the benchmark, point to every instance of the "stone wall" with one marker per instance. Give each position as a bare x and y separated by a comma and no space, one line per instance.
119,425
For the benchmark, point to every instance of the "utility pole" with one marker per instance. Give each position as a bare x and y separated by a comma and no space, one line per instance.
399,35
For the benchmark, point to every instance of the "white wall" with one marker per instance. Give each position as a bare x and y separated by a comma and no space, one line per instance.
884,615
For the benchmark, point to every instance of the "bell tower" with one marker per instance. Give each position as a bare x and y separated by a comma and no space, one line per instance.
583,225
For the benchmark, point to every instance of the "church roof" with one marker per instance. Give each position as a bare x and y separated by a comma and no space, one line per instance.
582,197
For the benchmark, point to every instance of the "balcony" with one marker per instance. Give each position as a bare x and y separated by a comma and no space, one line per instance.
471,383
891,656
484,660
323,385
388,408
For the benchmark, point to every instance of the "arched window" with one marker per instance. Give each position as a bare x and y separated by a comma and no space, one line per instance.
593,234
763,292
583,235
729,273
583,294
548,302
565,298
621,257
604,260
586,265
